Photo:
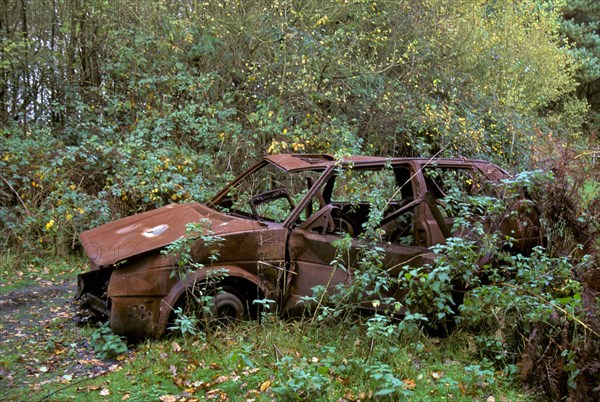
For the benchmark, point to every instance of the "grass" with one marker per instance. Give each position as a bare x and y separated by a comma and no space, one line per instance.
18,271
45,355
284,360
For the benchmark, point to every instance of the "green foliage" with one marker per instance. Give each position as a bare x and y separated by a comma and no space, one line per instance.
106,344
240,357
181,248
54,192
142,104
580,27
302,379
184,324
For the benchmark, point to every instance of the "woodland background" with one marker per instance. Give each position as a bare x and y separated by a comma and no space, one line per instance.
112,107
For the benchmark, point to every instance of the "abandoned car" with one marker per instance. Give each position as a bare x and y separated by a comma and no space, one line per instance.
276,227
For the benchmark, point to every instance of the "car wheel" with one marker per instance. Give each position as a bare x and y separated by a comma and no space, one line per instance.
227,307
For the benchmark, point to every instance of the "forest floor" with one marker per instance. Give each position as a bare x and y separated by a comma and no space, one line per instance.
46,354
41,341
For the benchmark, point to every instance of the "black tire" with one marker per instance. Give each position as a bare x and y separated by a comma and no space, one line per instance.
228,307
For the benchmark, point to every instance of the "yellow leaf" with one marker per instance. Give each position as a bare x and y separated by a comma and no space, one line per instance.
409,384
265,386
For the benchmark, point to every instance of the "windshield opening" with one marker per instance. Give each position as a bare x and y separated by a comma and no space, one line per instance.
269,193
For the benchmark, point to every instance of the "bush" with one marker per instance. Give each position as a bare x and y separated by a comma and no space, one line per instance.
54,191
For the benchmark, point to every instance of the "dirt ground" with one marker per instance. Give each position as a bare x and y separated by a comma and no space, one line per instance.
41,342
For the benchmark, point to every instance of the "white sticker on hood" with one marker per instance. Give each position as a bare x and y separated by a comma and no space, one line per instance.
155,231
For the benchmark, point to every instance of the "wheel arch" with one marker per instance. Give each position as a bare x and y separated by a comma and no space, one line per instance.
243,282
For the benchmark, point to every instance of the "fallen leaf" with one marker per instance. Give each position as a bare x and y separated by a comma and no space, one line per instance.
265,386
125,397
173,370
409,384
249,371
167,398
104,392
176,347
92,361
220,379
115,367
217,394
437,374
180,382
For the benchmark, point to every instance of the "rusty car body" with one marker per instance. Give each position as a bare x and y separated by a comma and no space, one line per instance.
277,222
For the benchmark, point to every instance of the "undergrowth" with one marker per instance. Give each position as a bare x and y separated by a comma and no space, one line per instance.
283,360
534,312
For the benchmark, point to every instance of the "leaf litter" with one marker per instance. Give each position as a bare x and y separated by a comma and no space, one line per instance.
40,342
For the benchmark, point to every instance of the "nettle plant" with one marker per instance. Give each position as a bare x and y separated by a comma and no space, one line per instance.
480,273
526,306
106,344
198,306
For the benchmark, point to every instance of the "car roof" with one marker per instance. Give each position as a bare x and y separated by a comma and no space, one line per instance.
299,162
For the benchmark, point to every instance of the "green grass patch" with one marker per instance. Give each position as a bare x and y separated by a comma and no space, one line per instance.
18,271
281,360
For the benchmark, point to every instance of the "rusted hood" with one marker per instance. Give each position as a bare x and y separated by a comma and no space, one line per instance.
137,234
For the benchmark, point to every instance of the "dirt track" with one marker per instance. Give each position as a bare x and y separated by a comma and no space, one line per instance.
41,342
